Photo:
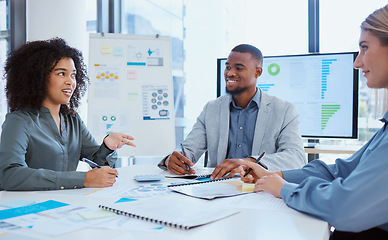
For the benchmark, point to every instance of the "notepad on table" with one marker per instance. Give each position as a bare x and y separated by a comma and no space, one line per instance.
224,187
172,213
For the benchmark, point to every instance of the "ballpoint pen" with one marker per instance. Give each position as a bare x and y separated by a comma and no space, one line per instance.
91,163
184,154
257,161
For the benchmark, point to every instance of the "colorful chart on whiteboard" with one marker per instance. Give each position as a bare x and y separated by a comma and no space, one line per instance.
145,55
106,80
131,91
156,102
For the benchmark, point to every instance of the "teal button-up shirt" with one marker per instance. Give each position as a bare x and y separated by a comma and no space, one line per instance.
34,155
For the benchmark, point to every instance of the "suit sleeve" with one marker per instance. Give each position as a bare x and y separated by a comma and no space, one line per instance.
289,152
195,143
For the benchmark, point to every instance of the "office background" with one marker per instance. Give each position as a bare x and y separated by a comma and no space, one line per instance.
201,31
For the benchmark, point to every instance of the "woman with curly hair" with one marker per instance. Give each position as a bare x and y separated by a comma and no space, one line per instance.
43,137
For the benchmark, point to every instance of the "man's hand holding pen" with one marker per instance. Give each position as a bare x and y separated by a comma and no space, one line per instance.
230,167
177,164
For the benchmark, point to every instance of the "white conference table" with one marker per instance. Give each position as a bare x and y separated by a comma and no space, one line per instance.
252,222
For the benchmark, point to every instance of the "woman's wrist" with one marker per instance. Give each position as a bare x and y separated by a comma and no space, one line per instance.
280,173
103,142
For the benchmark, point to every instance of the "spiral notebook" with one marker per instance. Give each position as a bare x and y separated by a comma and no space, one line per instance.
172,213
224,187
199,173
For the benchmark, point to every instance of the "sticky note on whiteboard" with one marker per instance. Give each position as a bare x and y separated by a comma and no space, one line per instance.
106,49
118,51
132,74
133,96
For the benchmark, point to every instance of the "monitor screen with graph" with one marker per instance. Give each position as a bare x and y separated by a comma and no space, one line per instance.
324,88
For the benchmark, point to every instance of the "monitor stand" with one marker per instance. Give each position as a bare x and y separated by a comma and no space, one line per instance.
311,143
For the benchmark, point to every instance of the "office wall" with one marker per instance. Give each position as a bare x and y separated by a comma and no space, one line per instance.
58,18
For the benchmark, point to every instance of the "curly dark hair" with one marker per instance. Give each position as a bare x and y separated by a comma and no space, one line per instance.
27,72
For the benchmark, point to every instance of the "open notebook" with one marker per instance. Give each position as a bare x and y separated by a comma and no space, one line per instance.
224,187
173,213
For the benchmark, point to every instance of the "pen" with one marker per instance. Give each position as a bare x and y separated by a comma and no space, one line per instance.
91,163
257,161
184,154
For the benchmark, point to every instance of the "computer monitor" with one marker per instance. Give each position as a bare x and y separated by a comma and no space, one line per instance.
324,88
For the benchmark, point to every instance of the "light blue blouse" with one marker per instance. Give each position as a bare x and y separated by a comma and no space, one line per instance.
34,155
352,194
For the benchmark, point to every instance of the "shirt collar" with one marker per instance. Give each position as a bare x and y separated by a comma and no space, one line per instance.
44,109
256,99
385,118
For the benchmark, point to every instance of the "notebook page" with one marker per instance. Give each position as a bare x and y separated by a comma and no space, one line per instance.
259,200
211,190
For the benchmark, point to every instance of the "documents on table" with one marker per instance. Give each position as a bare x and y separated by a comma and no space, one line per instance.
227,187
55,218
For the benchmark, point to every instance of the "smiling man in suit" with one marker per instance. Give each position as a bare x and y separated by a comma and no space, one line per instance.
242,124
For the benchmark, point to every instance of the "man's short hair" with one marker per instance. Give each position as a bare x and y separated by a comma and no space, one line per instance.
246,48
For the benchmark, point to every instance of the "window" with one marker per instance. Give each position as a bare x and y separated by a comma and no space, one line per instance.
339,32
163,17
4,49
91,16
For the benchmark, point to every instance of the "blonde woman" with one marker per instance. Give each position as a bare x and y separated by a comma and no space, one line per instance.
352,194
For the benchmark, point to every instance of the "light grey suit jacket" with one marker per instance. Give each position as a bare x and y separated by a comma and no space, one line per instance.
276,133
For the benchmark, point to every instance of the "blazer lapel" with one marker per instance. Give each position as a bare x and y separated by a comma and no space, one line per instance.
224,119
261,123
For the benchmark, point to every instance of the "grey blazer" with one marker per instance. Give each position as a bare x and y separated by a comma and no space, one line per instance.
276,133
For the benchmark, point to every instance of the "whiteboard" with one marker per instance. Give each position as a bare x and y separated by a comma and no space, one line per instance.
131,91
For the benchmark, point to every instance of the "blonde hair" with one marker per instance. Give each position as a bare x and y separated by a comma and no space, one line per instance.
377,23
